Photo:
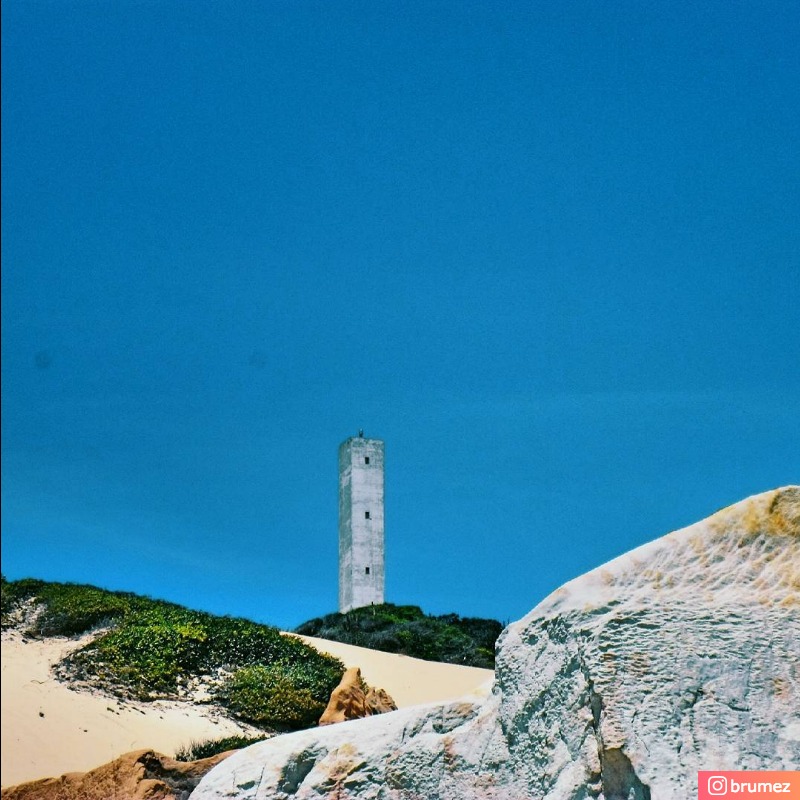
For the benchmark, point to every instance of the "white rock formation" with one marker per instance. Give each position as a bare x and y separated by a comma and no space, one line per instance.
681,655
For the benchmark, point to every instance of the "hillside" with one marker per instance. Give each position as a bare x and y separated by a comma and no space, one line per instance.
59,718
406,630
149,649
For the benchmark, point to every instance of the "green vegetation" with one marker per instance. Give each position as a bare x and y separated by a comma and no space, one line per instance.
154,649
66,609
194,751
407,630
274,697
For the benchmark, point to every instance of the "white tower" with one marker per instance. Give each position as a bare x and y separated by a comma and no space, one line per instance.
361,575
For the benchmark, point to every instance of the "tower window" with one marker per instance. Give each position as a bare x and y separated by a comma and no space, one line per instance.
366,515
367,570
366,459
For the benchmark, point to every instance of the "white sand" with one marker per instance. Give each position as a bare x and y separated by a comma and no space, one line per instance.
49,729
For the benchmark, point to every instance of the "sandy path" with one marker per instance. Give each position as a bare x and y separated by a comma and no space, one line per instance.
49,729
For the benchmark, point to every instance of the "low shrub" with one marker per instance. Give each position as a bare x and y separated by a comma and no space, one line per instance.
274,697
408,630
9,601
67,609
152,653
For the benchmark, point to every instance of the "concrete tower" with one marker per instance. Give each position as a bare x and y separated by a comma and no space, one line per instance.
361,575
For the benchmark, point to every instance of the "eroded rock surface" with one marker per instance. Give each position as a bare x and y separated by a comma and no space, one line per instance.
139,775
681,655
349,700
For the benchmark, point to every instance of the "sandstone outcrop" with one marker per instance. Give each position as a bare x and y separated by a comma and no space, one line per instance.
140,775
379,701
349,700
681,655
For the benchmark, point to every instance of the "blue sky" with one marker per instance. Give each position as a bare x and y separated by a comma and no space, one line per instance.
549,252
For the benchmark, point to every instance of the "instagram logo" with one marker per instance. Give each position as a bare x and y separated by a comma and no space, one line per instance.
717,784
750,784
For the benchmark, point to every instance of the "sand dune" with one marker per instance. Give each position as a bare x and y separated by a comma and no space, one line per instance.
410,681
49,729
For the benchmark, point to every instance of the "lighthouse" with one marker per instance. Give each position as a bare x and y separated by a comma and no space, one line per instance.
361,538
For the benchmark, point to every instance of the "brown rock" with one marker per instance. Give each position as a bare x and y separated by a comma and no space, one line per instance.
140,775
378,701
349,700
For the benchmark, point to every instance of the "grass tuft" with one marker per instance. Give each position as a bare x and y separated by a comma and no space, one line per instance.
194,751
